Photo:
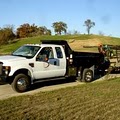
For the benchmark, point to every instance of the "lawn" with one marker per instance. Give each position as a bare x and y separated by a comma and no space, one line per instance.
93,101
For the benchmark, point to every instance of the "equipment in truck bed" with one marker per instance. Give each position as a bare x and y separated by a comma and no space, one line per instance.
114,58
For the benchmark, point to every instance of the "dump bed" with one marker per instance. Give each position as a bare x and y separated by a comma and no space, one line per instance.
87,58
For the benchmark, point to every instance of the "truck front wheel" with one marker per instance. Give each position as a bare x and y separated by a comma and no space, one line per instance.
20,83
87,75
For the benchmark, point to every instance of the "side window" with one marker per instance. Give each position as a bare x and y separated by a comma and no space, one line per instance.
45,54
59,52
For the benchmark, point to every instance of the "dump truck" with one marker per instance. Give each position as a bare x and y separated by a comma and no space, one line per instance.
50,60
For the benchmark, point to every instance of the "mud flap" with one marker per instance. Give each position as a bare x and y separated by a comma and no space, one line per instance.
93,69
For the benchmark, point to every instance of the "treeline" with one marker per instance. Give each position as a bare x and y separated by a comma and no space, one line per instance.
7,33
27,30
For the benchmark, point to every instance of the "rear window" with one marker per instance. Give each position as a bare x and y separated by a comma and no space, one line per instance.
59,52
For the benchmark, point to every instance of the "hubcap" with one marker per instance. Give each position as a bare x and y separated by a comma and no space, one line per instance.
21,84
88,76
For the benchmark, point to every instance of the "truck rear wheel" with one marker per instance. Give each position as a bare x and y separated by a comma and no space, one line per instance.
87,75
20,83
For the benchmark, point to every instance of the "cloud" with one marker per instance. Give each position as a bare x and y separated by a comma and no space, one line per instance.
106,19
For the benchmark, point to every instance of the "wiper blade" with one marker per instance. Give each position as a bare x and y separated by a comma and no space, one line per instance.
22,56
18,55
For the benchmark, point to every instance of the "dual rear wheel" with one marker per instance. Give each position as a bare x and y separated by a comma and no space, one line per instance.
87,75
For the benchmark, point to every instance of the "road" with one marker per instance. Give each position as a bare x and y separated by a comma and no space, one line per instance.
6,90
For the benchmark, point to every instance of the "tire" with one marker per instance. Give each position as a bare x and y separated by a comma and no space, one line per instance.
20,83
87,75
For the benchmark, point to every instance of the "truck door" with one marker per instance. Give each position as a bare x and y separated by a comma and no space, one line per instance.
48,64
61,61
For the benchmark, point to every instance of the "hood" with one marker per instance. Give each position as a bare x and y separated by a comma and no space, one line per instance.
9,58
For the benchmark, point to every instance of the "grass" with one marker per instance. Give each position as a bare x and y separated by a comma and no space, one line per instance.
93,101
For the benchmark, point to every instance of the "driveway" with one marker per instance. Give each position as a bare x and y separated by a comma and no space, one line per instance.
6,90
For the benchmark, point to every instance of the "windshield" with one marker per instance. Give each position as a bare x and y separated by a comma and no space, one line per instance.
26,51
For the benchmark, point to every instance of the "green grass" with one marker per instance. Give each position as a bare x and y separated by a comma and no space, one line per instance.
93,101
7,49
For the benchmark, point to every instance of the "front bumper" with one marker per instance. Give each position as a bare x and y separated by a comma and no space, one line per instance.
2,82
4,72
3,78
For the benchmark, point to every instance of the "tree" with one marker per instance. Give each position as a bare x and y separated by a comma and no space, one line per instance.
89,24
24,30
48,32
27,30
59,27
6,34
43,31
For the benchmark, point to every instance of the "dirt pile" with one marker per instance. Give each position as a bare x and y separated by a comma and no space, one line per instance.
79,44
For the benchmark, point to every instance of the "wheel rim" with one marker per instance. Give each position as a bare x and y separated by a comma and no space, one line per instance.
21,84
88,76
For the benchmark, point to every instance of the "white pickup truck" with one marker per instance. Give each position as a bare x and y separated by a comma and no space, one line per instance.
42,62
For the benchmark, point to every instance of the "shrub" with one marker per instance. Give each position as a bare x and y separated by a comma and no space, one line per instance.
6,35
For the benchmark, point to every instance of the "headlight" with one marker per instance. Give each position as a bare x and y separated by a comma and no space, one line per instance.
6,69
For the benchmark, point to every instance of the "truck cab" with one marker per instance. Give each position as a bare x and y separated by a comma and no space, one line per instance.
49,62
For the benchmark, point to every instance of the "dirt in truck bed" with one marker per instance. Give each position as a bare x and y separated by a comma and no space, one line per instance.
79,44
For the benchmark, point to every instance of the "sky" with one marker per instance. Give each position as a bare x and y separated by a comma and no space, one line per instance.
105,14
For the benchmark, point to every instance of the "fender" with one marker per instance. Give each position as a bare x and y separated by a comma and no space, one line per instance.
16,68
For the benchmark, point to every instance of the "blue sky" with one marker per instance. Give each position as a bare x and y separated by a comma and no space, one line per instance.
105,14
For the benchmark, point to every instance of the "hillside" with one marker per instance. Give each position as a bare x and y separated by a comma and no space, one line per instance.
75,41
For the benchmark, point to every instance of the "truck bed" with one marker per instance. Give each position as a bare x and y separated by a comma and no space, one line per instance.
87,58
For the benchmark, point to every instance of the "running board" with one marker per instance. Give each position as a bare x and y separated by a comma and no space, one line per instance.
48,79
